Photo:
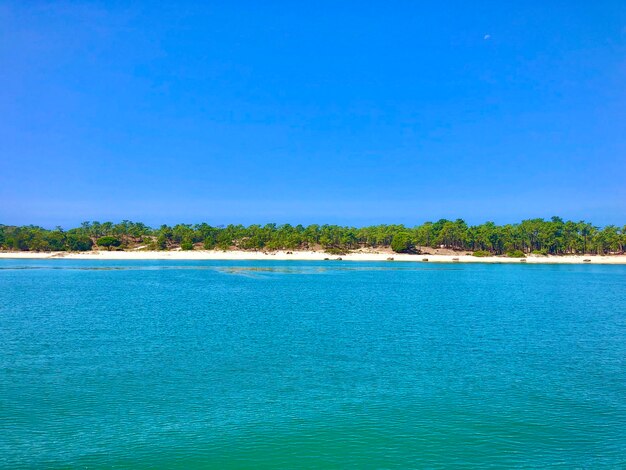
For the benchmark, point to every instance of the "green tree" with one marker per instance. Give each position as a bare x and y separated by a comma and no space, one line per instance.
108,241
78,242
186,244
402,243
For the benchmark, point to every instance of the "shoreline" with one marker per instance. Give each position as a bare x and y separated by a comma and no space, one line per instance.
236,255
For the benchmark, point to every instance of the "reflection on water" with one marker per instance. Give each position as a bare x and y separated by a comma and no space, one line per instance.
237,270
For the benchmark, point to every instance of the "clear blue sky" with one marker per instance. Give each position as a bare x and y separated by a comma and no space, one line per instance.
301,112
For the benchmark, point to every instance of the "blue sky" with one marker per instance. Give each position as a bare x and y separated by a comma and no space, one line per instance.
358,113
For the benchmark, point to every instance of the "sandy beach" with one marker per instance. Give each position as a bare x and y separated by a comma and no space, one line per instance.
309,256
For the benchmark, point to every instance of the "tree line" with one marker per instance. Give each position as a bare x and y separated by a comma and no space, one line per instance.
555,237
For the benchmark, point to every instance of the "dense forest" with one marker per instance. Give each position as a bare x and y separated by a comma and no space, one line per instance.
539,236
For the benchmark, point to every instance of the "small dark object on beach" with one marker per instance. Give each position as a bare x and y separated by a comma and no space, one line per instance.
390,259
522,261
338,259
455,259
290,252
586,261
424,259
326,259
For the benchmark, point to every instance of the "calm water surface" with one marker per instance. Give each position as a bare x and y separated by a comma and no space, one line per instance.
297,364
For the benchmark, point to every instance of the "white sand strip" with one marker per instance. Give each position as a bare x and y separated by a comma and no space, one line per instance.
307,256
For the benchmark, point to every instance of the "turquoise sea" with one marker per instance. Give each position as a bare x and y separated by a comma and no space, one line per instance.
177,364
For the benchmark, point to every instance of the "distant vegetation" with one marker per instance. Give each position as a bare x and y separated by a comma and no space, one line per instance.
537,236
482,253
516,254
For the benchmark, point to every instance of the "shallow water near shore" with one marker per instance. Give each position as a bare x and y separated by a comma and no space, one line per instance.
231,364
